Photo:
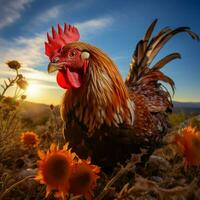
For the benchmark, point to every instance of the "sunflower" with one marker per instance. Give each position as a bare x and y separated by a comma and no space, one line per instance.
189,145
54,170
30,139
84,178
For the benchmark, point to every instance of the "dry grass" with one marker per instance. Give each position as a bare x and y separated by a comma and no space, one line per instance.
19,161
163,177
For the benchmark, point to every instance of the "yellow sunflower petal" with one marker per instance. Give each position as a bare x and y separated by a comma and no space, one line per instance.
65,147
53,147
48,191
188,143
41,154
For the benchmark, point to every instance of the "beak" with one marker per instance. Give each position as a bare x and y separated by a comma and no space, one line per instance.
52,67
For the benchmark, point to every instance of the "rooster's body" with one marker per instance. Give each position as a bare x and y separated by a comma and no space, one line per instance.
104,117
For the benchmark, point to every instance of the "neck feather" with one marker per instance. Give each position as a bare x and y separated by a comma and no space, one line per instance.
103,99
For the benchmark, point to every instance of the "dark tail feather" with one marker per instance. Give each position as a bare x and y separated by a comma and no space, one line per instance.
144,77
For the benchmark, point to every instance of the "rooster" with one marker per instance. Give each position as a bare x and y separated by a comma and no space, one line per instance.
104,117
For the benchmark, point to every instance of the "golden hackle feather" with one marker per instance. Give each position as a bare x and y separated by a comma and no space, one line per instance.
104,91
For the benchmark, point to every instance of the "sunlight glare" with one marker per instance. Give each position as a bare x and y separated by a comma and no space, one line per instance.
32,90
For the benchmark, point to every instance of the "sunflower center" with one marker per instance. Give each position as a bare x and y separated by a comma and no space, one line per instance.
82,177
30,140
56,169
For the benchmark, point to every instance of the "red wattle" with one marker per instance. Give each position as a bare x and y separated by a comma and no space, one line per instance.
62,81
69,79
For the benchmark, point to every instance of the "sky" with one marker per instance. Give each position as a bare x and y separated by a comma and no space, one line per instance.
113,26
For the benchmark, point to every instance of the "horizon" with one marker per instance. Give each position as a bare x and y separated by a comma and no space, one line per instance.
196,102
114,27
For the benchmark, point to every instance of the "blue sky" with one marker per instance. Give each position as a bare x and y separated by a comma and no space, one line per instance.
114,26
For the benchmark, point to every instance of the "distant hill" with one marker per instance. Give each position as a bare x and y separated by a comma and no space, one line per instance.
188,107
36,111
186,104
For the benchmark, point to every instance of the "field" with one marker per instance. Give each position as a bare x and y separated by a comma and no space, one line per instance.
163,177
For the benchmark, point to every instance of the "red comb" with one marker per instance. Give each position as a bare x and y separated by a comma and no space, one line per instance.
60,38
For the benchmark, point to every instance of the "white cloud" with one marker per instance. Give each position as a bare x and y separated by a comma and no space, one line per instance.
56,13
29,51
10,11
49,14
30,74
94,25
39,75
120,57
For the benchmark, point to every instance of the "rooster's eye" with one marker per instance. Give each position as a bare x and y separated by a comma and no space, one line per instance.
72,53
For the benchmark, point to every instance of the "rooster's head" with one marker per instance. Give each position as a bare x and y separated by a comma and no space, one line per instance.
71,62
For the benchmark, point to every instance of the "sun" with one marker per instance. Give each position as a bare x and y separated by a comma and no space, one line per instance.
33,90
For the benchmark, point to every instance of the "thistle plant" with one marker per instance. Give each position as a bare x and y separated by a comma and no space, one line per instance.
10,106
19,81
